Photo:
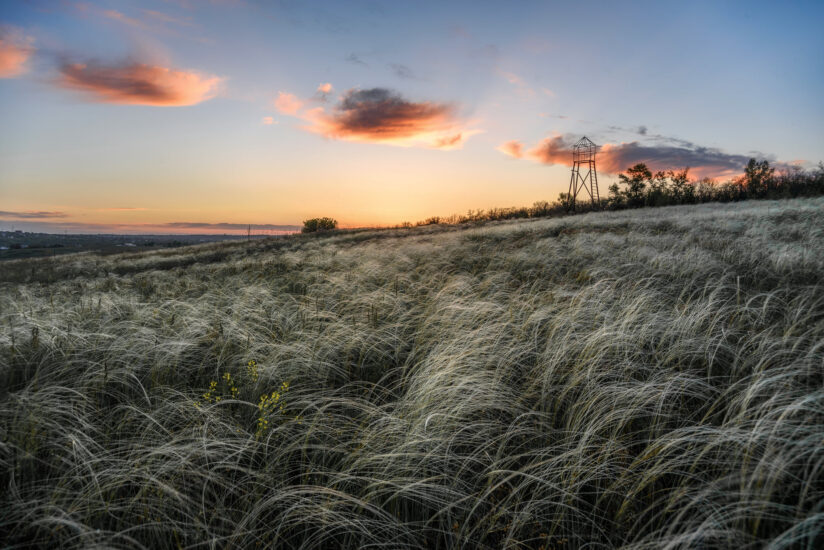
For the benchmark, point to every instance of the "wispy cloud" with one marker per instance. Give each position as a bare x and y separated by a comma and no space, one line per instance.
168,19
133,83
15,50
125,19
355,59
514,149
513,79
402,71
521,87
613,158
145,20
123,209
379,115
32,215
268,121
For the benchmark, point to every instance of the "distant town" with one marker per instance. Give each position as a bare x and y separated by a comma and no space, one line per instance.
22,244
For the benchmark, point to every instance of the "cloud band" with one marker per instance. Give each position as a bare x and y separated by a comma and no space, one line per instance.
134,83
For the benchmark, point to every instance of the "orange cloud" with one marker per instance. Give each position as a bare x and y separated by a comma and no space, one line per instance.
288,104
268,121
379,115
514,149
133,83
554,150
325,88
15,50
613,158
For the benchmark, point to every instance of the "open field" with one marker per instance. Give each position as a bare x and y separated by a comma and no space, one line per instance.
645,378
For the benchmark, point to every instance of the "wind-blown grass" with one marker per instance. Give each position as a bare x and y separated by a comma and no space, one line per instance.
648,378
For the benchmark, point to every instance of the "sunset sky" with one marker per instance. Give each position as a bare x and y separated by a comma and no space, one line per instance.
196,116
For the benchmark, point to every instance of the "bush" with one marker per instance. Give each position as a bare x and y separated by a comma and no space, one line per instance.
319,224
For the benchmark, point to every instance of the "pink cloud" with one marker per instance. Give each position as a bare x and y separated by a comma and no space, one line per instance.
133,83
288,104
554,150
268,121
15,51
325,88
514,149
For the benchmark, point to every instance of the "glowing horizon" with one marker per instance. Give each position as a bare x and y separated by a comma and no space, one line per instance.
178,116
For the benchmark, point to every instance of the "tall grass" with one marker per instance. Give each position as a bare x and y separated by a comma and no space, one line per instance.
636,378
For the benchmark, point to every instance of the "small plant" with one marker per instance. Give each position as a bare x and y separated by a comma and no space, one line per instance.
267,406
209,396
215,394
252,370
230,384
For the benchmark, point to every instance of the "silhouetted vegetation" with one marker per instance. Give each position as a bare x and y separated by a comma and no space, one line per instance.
641,187
319,224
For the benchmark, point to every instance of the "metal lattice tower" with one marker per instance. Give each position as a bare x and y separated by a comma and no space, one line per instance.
584,176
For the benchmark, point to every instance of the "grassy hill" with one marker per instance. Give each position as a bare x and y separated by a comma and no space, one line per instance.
648,378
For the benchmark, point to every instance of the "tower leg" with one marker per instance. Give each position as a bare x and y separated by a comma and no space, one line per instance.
573,189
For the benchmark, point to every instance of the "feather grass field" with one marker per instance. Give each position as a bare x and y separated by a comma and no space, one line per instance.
649,378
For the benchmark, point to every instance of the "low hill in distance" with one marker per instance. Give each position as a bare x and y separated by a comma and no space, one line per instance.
640,378
24,244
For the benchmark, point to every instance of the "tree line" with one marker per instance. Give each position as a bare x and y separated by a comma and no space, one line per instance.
641,187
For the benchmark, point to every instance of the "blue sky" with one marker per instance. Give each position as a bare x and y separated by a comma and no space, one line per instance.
134,115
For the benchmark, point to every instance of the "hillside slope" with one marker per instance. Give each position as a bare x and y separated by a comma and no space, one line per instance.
645,378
